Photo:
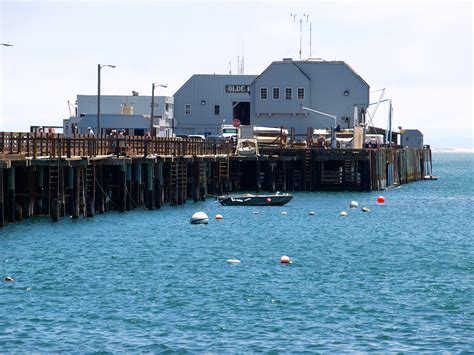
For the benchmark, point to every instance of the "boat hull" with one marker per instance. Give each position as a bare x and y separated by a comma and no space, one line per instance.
255,200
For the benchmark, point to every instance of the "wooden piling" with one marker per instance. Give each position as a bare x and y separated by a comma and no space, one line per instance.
2,199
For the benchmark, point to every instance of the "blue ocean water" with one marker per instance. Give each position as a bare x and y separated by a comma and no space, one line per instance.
400,278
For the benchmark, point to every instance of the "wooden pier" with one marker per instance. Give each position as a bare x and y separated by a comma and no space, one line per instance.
79,176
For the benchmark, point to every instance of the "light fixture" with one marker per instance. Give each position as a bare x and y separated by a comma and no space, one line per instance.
203,102
346,93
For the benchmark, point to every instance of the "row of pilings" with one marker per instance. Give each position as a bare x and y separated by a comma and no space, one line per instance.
83,187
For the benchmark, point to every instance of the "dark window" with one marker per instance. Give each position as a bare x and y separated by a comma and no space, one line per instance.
300,93
187,109
217,110
288,93
276,93
263,93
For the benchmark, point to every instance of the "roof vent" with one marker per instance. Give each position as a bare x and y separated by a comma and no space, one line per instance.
287,59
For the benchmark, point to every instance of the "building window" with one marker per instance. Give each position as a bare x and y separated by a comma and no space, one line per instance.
288,93
187,109
217,110
276,93
263,93
300,93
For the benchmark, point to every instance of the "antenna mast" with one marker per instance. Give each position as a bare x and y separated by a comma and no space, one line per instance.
301,17
310,37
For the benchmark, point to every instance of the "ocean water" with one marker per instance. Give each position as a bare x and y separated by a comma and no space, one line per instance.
400,278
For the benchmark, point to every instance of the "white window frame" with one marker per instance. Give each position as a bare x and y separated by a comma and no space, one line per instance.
273,93
266,93
291,94
187,109
298,94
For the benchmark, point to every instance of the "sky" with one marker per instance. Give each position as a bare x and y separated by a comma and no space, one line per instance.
420,52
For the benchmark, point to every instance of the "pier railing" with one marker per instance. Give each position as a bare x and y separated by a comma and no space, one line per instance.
37,145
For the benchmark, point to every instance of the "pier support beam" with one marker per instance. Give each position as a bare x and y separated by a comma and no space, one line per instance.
128,200
258,182
138,183
76,193
90,187
11,194
122,185
149,186
158,182
2,200
196,181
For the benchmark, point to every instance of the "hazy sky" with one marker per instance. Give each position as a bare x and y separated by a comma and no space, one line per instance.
421,52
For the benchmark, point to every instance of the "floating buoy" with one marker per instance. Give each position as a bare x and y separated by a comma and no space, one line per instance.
284,213
233,261
343,214
312,213
8,279
219,217
380,199
255,212
199,218
365,209
354,204
285,260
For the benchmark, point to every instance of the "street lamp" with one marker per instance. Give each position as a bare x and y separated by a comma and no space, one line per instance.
153,86
99,67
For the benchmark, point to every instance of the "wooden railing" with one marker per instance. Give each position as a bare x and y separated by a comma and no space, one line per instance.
35,145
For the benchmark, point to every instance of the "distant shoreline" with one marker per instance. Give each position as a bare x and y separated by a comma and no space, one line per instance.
453,150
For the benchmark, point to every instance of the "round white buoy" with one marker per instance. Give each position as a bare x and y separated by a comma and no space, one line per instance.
343,214
365,209
219,217
199,218
354,204
8,279
285,260
312,213
284,213
255,212
233,261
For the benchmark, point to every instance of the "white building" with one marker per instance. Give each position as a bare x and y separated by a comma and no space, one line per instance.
124,112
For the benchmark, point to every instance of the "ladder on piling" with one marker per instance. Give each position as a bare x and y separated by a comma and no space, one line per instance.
53,190
308,174
174,182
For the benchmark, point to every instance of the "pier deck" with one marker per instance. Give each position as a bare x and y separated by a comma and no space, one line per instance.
49,174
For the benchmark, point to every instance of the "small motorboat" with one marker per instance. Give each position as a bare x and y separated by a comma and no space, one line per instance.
255,200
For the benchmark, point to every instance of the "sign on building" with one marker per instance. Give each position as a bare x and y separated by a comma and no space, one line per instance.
237,88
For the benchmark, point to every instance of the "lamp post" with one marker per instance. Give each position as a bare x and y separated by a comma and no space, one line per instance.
153,86
99,67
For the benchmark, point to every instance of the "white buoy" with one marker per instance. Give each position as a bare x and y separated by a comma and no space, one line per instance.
284,213
312,213
365,209
233,261
354,204
343,214
285,259
199,218
219,217
255,212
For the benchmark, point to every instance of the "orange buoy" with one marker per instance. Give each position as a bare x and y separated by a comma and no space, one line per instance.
343,214
285,260
380,199
219,217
